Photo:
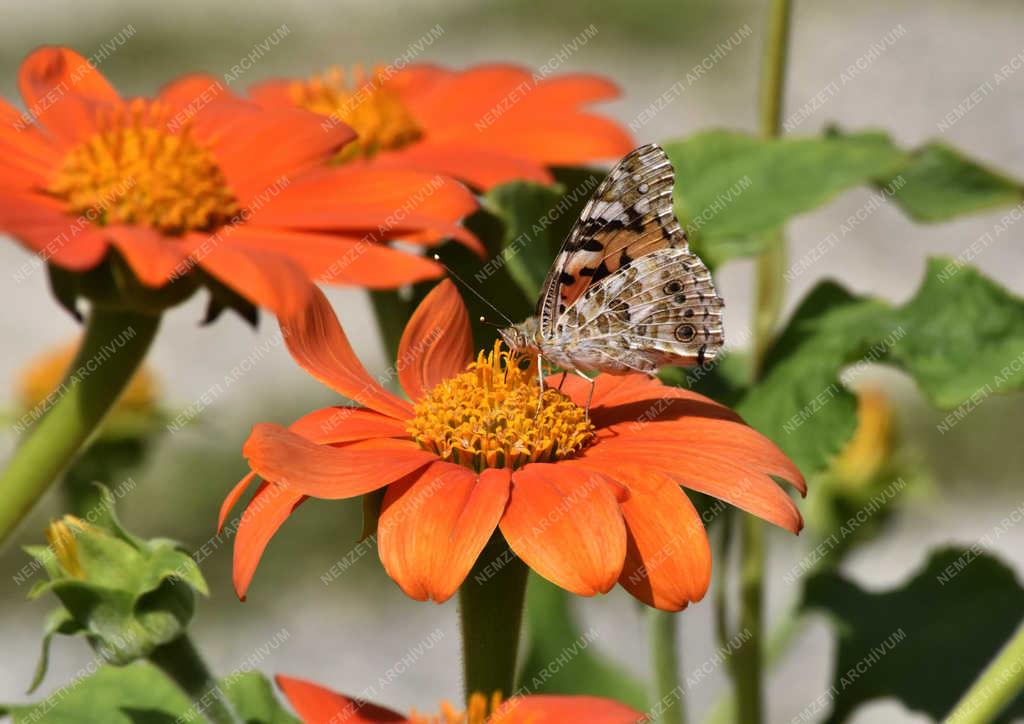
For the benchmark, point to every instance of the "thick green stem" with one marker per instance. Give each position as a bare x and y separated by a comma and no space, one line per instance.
115,343
491,613
998,684
180,661
665,654
748,661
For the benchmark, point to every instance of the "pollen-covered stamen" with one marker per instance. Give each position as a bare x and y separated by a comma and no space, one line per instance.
136,171
488,417
364,102
478,709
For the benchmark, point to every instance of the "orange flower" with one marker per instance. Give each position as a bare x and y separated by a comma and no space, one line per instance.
585,503
317,705
485,125
197,177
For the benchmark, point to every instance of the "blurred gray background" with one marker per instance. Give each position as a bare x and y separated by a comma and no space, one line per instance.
350,632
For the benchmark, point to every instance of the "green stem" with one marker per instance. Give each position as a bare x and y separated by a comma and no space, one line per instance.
115,343
998,684
748,661
663,625
491,613
180,661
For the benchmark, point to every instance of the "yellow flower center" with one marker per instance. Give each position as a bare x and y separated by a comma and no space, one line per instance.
489,417
365,103
480,707
136,171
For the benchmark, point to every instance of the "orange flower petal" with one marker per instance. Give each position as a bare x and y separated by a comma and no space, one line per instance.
44,228
317,342
316,705
345,424
334,259
269,280
437,342
565,523
724,474
434,524
28,158
668,558
266,512
482,168
290,141
64,91
232,499
327,472
154,258
545,709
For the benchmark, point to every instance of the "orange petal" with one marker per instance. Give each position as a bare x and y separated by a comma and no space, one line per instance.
434,524
565,523
317,342
154,258
64,91
334,259
316,705
345,424
267,510
232,499
290,143
481,168
44,228
668,558
437,342
725,473
268,280
546,709
327,472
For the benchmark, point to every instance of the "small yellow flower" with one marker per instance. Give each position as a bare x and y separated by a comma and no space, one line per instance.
43,375
871,445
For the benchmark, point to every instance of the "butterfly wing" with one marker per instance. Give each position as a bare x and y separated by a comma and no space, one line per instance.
660,309
629,215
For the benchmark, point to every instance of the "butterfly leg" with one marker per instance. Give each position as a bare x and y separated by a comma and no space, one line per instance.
590,395
540,382
562,381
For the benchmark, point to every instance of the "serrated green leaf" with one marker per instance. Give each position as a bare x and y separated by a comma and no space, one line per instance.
733,188
556,642
126,695
924,642
252,696
58,621
940,183
960,337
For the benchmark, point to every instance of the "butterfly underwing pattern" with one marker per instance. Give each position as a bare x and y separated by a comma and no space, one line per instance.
625,293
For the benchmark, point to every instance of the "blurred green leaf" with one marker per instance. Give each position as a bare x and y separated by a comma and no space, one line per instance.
733,188
960,337
924,642
535,220
562,659
112,695
940,183
141,694
252,696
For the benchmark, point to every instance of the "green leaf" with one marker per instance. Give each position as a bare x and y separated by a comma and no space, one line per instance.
732,189
965,335
924,642
58,621
535,220
253,699
940,183
562,659
112,695
960,337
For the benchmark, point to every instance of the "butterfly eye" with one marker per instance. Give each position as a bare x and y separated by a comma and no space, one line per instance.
673,287
685,332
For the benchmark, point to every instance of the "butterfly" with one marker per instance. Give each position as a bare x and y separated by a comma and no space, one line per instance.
625,293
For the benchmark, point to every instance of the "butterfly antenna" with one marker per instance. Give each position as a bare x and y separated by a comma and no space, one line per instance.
475,292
